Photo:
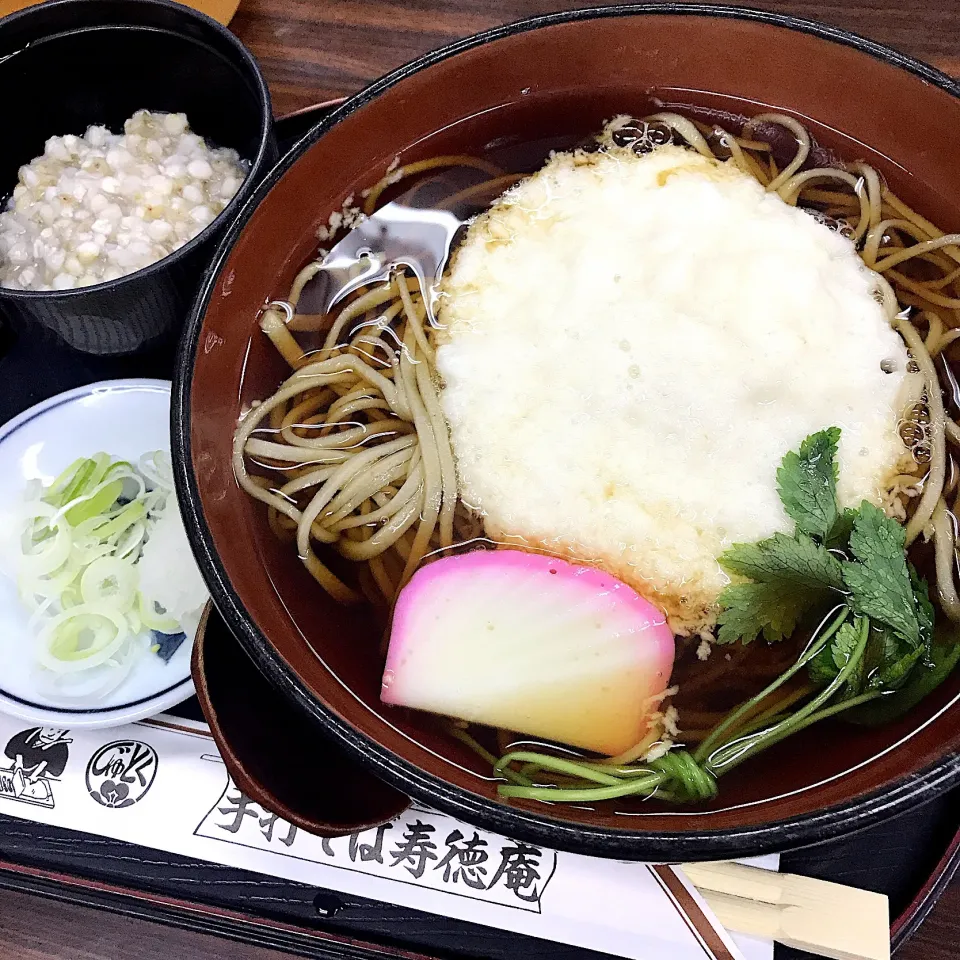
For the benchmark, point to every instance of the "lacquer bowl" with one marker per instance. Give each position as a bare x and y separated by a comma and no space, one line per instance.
565,72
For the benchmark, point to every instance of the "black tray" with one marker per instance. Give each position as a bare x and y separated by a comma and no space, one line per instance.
911,859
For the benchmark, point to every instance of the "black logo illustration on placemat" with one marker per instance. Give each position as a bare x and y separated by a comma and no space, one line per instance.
38,757
120,774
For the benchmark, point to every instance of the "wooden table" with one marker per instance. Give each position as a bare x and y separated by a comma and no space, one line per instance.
314,50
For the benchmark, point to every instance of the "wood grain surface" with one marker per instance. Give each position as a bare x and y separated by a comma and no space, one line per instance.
312,51
35,929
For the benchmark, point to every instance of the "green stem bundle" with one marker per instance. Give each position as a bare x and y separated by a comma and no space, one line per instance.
680,775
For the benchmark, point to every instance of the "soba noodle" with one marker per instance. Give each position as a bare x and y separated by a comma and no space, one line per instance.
352,455
357,434
357,427
361,446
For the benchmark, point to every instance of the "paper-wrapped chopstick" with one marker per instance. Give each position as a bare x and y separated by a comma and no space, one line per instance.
827,919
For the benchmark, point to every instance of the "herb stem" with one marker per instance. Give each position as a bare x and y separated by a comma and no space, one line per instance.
734,752
816,717
836,708
774,713
730,723
486,755
555,765
644,786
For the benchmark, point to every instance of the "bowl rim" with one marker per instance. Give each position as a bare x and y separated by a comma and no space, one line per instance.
540,828
264,142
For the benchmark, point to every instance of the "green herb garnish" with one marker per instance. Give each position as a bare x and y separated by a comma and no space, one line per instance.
873,653
789,575
834,656
879,581
807,484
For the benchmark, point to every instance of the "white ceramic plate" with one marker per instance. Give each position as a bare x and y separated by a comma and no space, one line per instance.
125,418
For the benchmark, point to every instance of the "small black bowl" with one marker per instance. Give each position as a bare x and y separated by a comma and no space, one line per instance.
67,64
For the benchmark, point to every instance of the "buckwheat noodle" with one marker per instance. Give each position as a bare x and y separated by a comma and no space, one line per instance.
352,452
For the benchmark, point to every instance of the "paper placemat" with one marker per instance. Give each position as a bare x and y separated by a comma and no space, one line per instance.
162,784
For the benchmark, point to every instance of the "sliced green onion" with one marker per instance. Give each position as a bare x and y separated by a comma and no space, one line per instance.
68,480
112,526
130,541
85,636
48,555
110,580
82,539
152,620
78,479
102,498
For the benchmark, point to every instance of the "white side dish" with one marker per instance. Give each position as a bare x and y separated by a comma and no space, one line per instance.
101,206
128,418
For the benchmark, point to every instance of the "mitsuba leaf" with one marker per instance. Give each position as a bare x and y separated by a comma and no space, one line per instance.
782,559
893,674
925,612
835,654
839,535
791,575
807,484
773,609
888,660
821,668
942,657
879,583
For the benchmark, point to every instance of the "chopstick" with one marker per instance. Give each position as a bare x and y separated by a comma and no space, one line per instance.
827,919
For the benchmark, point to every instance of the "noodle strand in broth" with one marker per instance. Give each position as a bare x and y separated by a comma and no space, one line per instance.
352,454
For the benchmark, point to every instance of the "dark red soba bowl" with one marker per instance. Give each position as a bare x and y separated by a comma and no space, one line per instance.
560,74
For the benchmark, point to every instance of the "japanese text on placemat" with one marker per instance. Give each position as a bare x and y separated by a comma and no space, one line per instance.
420,847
